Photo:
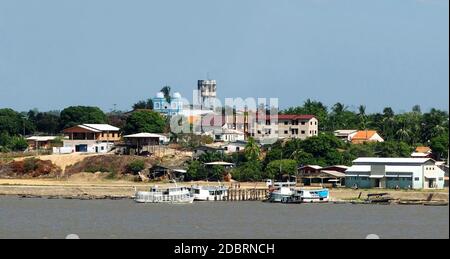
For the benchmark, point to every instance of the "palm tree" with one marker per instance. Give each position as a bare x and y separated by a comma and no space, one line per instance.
252,150
362,117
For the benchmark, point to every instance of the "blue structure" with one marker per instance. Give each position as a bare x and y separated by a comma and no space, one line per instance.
161,105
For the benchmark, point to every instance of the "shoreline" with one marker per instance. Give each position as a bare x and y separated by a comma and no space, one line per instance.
97,190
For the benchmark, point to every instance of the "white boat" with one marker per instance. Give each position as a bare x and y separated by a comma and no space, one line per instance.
167,195
309,196
281,191
209,193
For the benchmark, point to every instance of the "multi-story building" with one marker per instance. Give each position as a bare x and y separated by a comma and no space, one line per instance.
207,92
91,138
285,127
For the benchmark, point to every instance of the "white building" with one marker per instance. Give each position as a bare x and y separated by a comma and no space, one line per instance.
415,173
90,138
234,147
345,135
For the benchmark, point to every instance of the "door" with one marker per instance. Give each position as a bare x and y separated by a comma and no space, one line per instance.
81,148
431,183
377,183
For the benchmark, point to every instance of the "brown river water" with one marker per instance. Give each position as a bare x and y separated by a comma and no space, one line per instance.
46,218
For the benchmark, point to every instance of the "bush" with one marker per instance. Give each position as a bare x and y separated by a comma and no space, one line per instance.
30,165
95,169
136,166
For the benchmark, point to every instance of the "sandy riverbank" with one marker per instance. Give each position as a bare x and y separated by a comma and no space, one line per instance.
109,188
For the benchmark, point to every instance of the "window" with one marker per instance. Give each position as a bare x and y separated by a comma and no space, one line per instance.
286,132
303,132
303,123
311,123
286,123
441,179
417,179
238,149
103,134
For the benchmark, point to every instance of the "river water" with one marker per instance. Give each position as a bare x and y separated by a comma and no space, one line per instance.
45,218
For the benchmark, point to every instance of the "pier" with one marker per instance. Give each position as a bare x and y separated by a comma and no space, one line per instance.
255,194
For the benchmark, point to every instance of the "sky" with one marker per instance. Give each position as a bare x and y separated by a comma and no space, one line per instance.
112,53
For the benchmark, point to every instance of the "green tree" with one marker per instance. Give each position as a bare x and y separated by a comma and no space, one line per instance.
252,150
143,105
144,121
136,166
248,171
362,117
393,149
14,123
216,172
278,168
76,115
45,122
196,171
440,145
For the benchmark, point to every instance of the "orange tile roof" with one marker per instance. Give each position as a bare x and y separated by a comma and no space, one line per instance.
364,134
423,149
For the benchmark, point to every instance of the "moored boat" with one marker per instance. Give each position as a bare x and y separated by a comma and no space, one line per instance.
167,195
309,196
209,193
281,191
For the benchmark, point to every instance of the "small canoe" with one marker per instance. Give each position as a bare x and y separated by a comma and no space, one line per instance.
436,203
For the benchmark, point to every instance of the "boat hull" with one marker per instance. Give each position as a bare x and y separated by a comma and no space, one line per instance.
148,197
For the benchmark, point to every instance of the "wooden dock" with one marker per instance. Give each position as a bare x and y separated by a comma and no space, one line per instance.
255,194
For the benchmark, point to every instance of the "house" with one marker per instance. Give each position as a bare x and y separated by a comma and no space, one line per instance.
235,147
284,127
144,142
40,142
91,138
405,173
160,172
307,170
345,135
198,151
364,136
314,175
422,152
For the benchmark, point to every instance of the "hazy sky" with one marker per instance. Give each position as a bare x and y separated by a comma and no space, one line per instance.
57,53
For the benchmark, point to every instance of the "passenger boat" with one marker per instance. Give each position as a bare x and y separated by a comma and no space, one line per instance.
209,193
281,191
308,196
167,195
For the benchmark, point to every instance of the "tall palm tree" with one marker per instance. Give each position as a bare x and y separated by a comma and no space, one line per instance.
362,116
166,91
252,150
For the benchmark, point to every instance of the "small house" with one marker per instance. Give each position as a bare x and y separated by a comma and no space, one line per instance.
40,142
364,136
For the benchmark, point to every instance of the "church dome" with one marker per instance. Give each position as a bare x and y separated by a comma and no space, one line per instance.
177,95
160,95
